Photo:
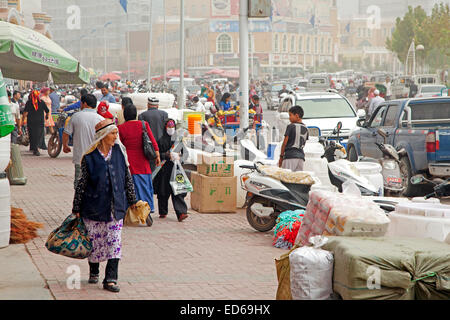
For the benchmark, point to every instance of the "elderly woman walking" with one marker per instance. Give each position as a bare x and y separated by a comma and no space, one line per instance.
104,192
131,136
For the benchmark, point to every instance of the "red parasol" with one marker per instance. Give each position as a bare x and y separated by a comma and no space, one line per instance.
111,76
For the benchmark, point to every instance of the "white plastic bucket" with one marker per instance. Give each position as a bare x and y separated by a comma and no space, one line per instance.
372,172
5,152
5,211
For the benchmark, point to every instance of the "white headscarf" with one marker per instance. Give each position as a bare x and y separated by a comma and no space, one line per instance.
100,135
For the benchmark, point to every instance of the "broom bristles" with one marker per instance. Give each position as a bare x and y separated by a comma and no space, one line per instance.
22,230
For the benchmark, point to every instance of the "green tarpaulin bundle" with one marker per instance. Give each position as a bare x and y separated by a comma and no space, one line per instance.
390,268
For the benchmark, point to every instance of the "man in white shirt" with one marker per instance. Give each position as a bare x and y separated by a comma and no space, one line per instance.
98,91
15,111
82,129
387,84
375,102
198,105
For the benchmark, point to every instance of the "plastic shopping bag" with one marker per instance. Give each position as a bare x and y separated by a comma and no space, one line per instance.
179,181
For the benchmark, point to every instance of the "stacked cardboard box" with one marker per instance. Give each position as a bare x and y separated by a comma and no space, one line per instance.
214,185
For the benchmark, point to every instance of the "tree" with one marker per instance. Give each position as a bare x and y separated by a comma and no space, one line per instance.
439,34
412,26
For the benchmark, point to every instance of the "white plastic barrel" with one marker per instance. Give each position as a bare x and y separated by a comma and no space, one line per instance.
372,172
5,211
5,152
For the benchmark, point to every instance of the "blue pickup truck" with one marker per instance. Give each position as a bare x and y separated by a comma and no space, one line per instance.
420,126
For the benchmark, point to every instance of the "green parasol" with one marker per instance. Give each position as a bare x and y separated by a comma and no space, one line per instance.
26,54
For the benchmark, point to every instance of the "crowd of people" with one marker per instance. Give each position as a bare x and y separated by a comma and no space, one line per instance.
112,172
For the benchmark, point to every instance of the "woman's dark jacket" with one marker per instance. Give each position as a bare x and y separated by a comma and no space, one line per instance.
104,187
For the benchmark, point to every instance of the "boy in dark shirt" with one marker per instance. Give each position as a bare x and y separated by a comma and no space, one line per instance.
292,156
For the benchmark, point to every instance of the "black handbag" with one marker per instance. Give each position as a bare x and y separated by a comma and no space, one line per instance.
149,150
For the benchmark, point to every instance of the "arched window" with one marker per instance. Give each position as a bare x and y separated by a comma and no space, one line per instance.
316,47
329,46
224,44
300,44
308,46
292,43
321,45
276,47
284,43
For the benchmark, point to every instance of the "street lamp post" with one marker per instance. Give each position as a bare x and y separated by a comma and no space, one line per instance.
243,50
181,96
104,38
150,45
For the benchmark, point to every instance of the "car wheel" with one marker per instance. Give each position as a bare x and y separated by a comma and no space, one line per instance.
352,154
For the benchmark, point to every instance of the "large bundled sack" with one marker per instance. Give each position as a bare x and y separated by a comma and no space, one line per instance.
311,271
286,229
284,276
287,176
330,214
390,268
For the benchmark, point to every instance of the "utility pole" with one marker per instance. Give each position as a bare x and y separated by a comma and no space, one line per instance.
150,46
243,67
165,42
181,96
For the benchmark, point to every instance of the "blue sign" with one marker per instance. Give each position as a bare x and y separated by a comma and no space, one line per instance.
219,26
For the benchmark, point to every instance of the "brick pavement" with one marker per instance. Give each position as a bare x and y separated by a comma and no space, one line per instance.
216,256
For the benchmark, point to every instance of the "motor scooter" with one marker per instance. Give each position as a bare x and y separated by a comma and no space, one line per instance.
390,164
267,197
441,187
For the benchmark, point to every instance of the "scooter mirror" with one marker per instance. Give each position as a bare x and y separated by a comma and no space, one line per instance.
361,113
339,127
417,179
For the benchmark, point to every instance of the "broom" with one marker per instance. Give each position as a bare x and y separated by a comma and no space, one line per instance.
22,230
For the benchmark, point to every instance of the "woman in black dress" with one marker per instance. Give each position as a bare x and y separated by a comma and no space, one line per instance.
161,183
35,114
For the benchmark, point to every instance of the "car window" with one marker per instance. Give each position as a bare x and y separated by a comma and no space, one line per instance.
430,111
326,108
317,81
376,120
391,115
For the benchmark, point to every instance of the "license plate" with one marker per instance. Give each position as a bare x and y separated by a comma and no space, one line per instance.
394,180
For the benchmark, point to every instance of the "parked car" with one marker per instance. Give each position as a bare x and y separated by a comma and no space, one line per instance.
275,89
430,90
323,110
400,87
420,126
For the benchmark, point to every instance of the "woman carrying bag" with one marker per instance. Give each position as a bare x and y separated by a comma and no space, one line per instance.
131,136
161,182
104,192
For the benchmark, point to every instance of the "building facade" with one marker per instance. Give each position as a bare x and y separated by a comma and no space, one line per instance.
14,11
284,45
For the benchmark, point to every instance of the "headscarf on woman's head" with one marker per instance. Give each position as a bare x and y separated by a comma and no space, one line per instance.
102,129
35,99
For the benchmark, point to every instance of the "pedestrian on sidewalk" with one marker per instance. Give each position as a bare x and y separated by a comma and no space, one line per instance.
103,194
120,118
82,129
34,114
45,96
162,179
130,134
156,120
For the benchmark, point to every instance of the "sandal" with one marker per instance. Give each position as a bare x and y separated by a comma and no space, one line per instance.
93,278
111,286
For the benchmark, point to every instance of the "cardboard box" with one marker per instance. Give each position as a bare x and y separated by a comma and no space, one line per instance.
215,166
213,194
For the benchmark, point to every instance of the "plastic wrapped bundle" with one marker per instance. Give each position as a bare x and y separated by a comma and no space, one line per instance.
287,176
311,271
288,224
337,214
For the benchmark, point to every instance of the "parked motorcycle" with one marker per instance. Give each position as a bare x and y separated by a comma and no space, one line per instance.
54,146
267,197
441,187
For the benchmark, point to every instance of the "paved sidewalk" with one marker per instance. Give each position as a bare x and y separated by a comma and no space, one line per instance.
215,256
